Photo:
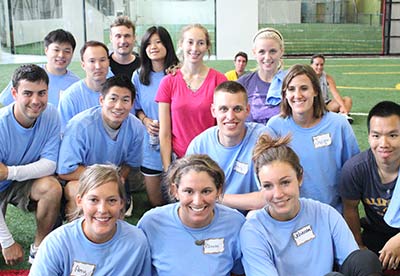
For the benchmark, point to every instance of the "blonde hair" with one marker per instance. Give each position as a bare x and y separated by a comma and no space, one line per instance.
269,33
196,26
93,177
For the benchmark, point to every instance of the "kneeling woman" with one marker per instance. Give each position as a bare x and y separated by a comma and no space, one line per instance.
98,242
292,235
195,236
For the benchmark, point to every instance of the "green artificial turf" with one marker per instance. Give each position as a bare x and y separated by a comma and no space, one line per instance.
366,80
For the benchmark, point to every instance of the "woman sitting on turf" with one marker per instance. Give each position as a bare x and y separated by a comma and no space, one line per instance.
293,235
97,242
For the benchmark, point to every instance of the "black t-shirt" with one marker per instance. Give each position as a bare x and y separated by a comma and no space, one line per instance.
124,69
360,180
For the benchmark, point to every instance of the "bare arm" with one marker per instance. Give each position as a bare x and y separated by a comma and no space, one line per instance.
125,170
151,127
164,110
390,253
73,175
249,201
3,172
335,94
352,217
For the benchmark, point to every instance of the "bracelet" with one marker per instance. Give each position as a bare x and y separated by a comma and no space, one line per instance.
144,117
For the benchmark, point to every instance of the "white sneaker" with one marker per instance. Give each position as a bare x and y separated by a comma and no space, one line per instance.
128,213
32,253
349,119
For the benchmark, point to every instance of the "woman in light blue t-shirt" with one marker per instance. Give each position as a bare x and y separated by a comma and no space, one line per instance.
196,235
97,242
293,235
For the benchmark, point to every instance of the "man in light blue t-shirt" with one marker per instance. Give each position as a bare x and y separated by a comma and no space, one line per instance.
59,46
103,134
230,144
29,143
85,93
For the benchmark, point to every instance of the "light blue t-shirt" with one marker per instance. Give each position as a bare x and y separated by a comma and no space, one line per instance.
145,95
308,244
77,98
235,161
67,250
22,146
86,142
57,84
323,149
173,249
392,215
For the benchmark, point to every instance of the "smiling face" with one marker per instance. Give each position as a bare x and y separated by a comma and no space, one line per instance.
101,207
281,189
155,49
116,106
384,139
59,56
30,101
230,111
300,96
267,52
197,194
122,39
194,45
318,65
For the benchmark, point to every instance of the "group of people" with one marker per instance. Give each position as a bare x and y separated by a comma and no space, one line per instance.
268,145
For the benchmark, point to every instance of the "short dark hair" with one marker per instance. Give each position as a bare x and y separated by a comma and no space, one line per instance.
92,43
317,56
59,36
383,109
31,73
241,54
232,87
120,81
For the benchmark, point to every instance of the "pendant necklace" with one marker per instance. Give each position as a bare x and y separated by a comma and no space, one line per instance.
197,242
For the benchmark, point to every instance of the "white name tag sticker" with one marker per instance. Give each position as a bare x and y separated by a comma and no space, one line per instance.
322,140
213,246
241,168
82,269
303,235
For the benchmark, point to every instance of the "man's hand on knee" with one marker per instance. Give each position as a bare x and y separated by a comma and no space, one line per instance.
13,254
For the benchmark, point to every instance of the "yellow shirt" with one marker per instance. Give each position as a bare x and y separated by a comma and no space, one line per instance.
231,75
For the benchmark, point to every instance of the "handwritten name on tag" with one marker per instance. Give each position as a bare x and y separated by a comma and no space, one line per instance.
303,235
322,140
82,269
241,168
213,246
